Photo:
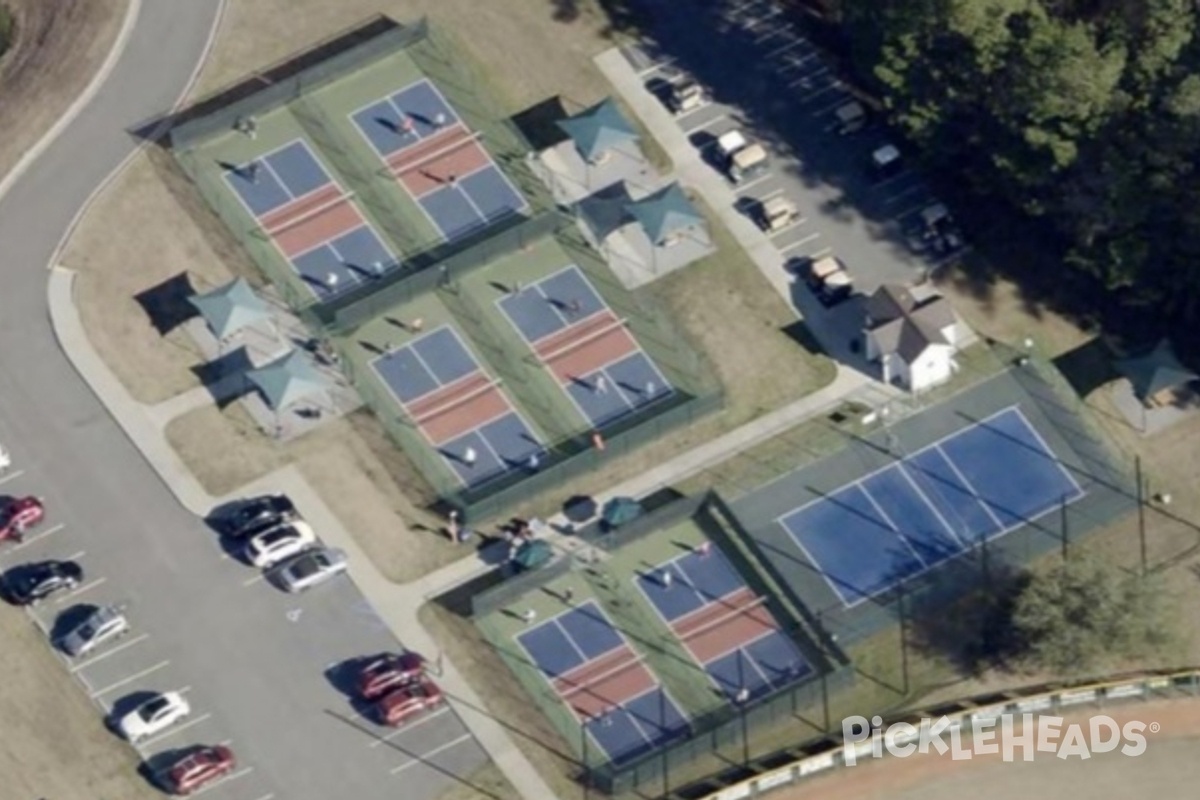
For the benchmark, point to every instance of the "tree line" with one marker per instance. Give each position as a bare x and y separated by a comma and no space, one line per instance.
1083,116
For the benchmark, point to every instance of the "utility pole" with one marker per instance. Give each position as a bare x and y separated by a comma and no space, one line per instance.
1141,504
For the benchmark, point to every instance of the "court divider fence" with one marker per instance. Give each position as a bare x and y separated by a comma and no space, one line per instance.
795,765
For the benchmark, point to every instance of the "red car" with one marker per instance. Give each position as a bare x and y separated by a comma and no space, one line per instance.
199,769
410,700
19,515
387,672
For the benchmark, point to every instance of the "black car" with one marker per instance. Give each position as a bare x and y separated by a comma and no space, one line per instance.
259,514
27,584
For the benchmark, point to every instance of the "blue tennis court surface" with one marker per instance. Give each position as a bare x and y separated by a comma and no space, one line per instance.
974,485
382,121
552,304
436,360
581,635
277,178
353,257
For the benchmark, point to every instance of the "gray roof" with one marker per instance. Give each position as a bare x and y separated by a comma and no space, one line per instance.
899,323
287,380
1154,371
598,129
230,308
666,212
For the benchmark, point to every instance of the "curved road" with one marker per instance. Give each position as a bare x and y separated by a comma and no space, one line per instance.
255,659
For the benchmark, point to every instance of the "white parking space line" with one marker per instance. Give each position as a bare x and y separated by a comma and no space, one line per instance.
807,78
259,578
771,194
834,106
466,737
893,179
42,534
834,86
796,223
810,238
78,590
233,776
402,730
703,105
666,62
901,195
126,681
11,476
693,128
824,251
270,796
784,48
175,731
125,646
741,187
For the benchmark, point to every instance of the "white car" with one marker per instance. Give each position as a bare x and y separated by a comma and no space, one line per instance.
101,625
270,547
311,568
154,716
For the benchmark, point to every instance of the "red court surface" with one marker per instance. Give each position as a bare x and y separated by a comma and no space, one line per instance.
586,347
428,148
604,683
721,627
464,414
445,169
280,217
323,226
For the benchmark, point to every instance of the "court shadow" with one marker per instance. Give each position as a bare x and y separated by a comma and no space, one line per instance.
384,122
166,305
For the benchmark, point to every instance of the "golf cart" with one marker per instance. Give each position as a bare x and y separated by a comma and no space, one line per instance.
851,117
777,214
741,159
686,96
829,280
886,162
939,231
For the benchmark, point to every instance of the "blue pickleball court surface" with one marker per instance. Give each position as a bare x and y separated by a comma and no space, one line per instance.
476,201
355,256
381,122
629,384
571,639
545,307
976,484
277,178
638,726
697,580
426,364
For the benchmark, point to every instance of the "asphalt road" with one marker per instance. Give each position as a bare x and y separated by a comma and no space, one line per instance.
254,662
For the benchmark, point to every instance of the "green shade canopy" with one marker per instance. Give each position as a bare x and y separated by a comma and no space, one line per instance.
620,510
598,129
665,213
533,554
231,308
1155,371
287,380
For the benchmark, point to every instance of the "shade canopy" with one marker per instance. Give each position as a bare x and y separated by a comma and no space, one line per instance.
533,554
230,308
621,510
598,129
665,213
1155,371
288,380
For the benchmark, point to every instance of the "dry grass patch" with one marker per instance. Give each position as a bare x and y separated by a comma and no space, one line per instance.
55,744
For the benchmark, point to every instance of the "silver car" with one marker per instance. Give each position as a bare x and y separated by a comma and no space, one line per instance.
103,624
310,568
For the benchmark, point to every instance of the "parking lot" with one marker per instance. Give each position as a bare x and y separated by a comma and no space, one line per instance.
770,82
265,673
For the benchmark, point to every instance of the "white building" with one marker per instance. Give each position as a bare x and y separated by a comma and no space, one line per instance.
913,338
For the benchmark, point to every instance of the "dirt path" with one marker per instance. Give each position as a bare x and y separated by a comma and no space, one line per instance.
1168,768
60,46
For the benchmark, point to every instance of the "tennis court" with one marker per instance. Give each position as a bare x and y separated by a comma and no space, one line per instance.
312,222
462,412
724,626
586,346
438,160
966,488
591,667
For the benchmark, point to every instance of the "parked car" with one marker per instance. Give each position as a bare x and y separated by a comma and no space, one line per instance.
29,584
409,701
741,159
266,549
387,672
20,514
199,769
777,214
939,231
686,96
886,162
101,625
852,117
154,716
310,568
260,514
829,280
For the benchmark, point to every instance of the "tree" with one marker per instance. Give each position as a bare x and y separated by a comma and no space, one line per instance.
1085,615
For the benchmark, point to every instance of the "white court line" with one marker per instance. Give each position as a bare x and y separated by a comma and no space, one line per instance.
805,240
38,537
409,727
125,646
130,679
426,756
71,595
8,476
174,731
